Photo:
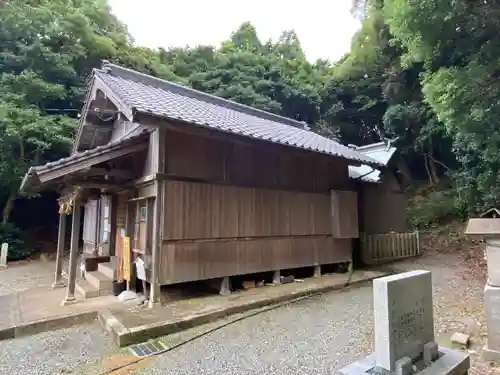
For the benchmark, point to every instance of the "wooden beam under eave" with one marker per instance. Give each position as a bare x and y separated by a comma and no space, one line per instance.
87,162
99,185
117,173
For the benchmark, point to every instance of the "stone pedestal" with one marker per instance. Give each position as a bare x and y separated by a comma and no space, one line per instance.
404,331
493,261
491,351
488,227
450,362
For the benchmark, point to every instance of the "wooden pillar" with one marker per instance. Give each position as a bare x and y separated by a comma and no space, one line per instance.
113,212
130,213
73,255
157,148
98,226
154,294
61,241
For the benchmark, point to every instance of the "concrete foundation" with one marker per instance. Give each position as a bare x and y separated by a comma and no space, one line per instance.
277,277
225,287
449,362
317,271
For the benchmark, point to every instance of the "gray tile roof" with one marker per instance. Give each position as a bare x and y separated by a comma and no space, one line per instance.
149,95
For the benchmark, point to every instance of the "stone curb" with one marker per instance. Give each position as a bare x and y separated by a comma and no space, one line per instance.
123,336
48,324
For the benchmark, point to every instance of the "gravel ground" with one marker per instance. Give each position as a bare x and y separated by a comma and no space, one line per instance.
24,275
315,336
322,334
56,352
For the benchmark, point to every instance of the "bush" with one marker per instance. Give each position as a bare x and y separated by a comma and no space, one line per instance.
435,207
17,247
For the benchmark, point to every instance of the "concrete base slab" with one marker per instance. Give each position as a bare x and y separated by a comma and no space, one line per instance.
38,310
490,355
129,327
450,362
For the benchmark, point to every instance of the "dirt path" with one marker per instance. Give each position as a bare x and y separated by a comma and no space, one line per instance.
24,275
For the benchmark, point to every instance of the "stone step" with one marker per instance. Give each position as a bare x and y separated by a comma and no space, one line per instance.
87,290
99,281
108,269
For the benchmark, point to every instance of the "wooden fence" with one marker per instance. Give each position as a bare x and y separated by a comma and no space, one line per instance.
384,248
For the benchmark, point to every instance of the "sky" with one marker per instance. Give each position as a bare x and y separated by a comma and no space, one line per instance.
324,27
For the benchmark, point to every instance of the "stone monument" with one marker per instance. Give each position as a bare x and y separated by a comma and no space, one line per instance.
3,255
488,227
404,331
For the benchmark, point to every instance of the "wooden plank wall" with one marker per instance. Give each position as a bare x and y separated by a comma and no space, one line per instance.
344,214
189,261
237,208
207,211
382,210
258,164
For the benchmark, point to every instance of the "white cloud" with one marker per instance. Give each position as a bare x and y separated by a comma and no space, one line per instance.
324,27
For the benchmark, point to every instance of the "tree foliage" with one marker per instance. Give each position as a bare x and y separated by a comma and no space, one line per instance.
422,73
458,47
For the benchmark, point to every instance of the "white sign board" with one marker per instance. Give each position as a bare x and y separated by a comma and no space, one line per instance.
404,320
3,255
140,269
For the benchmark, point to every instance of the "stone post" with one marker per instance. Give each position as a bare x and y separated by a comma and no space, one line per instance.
317,271
277,277
3,255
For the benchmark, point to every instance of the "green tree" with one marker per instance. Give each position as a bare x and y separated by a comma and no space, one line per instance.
458,45
47,50
377,94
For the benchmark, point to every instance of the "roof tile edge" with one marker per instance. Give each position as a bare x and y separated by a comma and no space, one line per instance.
150,80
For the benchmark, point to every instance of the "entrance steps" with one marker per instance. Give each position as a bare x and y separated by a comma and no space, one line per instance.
98,283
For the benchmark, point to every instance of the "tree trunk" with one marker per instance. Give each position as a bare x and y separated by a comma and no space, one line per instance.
7,210
433,170
405,171
429,174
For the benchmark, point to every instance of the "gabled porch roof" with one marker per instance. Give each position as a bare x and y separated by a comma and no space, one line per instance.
40,176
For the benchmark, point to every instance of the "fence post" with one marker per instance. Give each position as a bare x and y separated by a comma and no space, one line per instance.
417,233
